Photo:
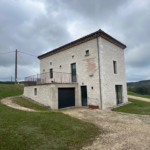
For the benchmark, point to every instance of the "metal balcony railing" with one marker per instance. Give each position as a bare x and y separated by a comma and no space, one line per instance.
55,77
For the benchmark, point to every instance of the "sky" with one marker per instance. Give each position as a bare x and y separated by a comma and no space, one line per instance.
39,26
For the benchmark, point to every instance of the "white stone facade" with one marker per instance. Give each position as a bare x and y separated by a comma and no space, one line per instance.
87,72
109,53
85,66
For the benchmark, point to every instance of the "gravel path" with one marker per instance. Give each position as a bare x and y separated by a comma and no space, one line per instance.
123,131
139,98
8,101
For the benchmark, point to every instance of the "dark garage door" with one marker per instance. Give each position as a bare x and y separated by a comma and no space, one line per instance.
66,97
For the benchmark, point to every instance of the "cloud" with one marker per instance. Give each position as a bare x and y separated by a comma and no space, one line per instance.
35,27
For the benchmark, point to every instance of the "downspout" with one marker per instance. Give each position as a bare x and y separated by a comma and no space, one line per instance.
99,71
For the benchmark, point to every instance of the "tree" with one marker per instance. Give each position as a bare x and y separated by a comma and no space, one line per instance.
129,89
141,90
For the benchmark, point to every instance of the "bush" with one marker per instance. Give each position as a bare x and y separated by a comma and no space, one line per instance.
129,89
141,90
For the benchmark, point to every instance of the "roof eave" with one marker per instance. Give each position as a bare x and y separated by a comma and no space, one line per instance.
100,32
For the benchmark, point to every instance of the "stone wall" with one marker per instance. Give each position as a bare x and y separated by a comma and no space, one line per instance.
109,53
48,94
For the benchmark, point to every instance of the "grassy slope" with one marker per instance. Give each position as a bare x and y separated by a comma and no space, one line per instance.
10,90
25,103
23,130
136,107
134,94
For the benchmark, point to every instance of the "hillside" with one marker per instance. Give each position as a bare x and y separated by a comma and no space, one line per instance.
145,83
10,90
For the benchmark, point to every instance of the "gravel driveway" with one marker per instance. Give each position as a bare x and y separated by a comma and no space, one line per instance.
123,131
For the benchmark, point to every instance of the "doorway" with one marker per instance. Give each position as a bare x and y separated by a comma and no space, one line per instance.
84,95
66,97
119,94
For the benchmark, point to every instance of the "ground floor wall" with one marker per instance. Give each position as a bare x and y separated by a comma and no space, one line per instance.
47,95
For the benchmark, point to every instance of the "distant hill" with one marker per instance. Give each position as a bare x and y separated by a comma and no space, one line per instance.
6,82
145,83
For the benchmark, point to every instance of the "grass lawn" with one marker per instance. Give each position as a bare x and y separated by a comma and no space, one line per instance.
10,90
136,107
25,103
21,130
138,95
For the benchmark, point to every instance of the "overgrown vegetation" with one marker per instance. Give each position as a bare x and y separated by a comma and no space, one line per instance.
135,107
21,130
26,103
10,90
139,90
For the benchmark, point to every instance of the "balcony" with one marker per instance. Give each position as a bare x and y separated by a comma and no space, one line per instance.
45,78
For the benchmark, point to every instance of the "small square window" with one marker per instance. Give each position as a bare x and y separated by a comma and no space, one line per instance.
115,67
87,52
35,91
50,63
43,70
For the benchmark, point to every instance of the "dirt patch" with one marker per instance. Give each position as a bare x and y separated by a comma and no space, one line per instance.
8,101
139,98
124,131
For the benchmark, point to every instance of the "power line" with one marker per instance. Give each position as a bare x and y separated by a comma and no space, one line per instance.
26,63
6,52
27,54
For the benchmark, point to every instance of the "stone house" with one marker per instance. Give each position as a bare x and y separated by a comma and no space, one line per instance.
89,71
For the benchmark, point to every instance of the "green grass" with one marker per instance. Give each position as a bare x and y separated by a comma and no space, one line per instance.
10,90
21,130
136,107
26,103
138,95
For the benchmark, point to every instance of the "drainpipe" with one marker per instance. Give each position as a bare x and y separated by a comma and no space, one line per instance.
99,70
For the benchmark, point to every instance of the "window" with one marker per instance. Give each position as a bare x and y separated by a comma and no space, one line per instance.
119,97
87,52
115,67
35,91
73,72
43,70
51,73
50,63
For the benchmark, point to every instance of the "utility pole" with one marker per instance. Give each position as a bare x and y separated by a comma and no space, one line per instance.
16,68
11,79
